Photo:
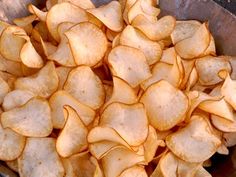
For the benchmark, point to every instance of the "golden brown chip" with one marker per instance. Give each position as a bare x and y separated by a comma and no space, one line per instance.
39,13
137,171
84,4
4,89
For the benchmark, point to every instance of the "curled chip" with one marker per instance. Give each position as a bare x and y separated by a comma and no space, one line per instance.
224,124
45,162
160,99
43,83
194,143
16,98
73,137
62,73
129,64
89,91
119,159
130,121
68,13
195,45
61,98
109,14
10,38
208,68
84,38
12,144
33,119
84,4
134,38
158,30
134,171
39,13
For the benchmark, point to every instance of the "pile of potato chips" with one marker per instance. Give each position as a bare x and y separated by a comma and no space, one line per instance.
112,91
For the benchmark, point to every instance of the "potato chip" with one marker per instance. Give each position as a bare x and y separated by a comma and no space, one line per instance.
68,13
9,38
187,142
63,73
81,40
229,139
111,34
50,3
48,47
40,31
13,165
39,13
208,68
43,83
12,144
3,25
188,67
98,171
25,23
11,67
101,133
223,150
84,4
119,159
160,99
135,171
30,57
33,119
131,124
232,61
156,31
16,98
223,124
145,8
129,64
61,98
110,15
211,49
8,78
4,89
40,159
168,56
89,91
116,41
195,45
201,172
122,92
73,137
134,38
128,5
63,55
193,78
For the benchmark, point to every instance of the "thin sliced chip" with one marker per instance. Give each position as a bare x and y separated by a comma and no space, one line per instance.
129,64
134,38
119,159
4,89
230,139
128,5
98,171
160,99
84,4
8,78
169,55
73,137
25,23
13,164
195,45
232,61
102,133
68,13
156,31
63,73
48,47
39,159
186,142
40,31
43,83
16,98
110,15
82,39
12,144
89,91
208,68
201,172
8,38
30,57
145,8
39,13
135,171
122,92
3,25
130,121
223,149
62,98
224,124
211,49
116,41
63,54
33,119
111,34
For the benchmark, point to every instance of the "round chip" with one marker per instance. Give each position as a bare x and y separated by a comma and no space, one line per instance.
12,144
32,119
40,159
89,91
109,14
129,64
64,12
134,38
130,122
9,38
84,38
73,137
194,143
166,106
